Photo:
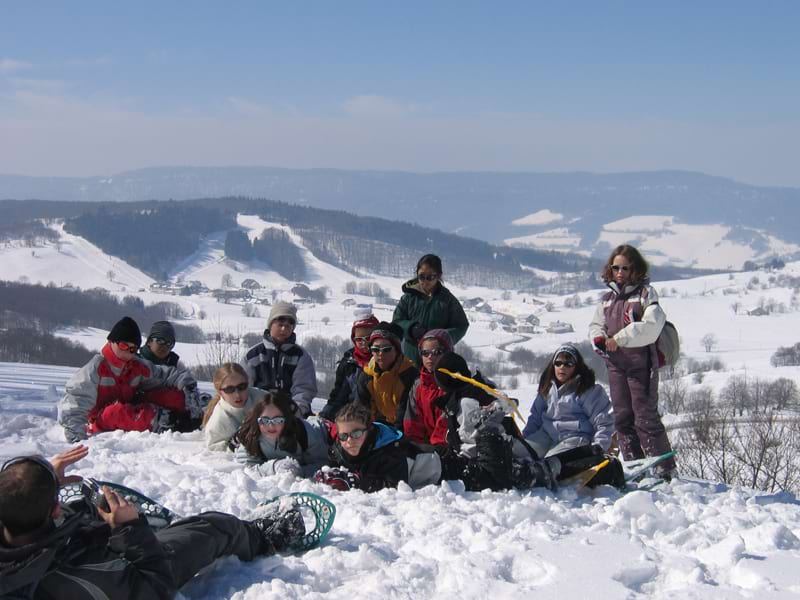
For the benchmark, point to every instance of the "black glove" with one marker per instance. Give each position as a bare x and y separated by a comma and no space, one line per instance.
416,331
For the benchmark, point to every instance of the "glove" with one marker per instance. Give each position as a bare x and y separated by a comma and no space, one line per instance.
339,479
287,465
194,402
599,346
416,331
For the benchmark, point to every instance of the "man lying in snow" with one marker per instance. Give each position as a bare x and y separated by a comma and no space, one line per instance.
79,550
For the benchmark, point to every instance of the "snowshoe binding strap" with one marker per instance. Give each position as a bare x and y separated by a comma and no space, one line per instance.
323,510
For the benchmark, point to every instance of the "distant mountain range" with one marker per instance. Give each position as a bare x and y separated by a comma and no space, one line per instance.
579,212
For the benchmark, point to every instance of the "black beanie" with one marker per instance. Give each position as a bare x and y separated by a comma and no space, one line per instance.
163,330
391,332
125,330
454,363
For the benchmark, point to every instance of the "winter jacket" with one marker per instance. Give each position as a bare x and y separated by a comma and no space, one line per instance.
287,367
424,421
387,458
314,441
106,379
441,310
84,559
386,392
563,414
631,316
344,386
226,419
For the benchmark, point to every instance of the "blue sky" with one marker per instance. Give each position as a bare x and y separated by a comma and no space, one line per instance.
93,88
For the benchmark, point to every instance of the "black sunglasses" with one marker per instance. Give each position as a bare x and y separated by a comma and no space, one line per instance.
625,268
381,349
355,434
162,342
434,352
423,277
563,363
235,388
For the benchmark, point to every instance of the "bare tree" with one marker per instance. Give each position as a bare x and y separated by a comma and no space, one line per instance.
709,341
227,281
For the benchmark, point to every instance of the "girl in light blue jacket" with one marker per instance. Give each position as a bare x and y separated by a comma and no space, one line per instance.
570,409
273,439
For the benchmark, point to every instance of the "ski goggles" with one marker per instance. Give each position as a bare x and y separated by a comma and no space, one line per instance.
355,434
39,460
230,389
128,346
273,421
434,352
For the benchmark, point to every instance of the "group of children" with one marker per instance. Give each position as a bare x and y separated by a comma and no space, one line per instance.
402,407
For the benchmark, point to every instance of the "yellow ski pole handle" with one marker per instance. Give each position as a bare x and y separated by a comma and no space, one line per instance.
485,388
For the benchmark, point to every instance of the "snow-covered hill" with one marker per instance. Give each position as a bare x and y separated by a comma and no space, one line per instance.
662,239
689,539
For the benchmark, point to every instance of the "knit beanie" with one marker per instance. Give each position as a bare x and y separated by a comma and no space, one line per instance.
163,330
369,323
282,309
390,332
568,349
125,330
454,363
441,336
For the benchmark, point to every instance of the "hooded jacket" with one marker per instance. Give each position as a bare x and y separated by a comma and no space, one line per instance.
287,367
441,310
632,316
106,379
387,458
84,559
563,413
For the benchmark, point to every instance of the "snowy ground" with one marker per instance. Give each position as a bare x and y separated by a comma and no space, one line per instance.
687,540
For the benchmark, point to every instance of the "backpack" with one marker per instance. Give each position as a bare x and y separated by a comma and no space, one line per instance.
668,346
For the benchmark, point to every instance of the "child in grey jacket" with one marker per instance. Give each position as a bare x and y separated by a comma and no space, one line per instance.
570,409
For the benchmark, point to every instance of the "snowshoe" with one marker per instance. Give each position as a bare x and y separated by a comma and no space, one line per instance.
312,509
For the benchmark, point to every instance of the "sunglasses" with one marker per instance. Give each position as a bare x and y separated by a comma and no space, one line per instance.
39,460
235,388
423,277
624,268
127,346
267,421
563,363
284,321
162,342
381,349
355,434
361,340
434,352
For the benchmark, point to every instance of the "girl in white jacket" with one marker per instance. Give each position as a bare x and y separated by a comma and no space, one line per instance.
229,407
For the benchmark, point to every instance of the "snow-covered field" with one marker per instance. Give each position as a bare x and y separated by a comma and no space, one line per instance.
690,539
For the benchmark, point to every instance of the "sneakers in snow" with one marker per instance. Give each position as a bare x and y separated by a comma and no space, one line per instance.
281,531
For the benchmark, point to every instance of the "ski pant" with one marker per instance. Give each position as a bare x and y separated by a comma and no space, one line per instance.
544,445
138,416
194,543
634,397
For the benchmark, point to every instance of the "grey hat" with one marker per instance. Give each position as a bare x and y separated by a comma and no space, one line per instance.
568,349
163,330
282,309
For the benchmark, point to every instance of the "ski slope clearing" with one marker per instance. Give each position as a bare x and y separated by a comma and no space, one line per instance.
689,539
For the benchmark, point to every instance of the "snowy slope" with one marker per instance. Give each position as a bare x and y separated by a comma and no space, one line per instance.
687,540
662,240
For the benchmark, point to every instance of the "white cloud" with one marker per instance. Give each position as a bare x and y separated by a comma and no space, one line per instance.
249,108
41,85
9,65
